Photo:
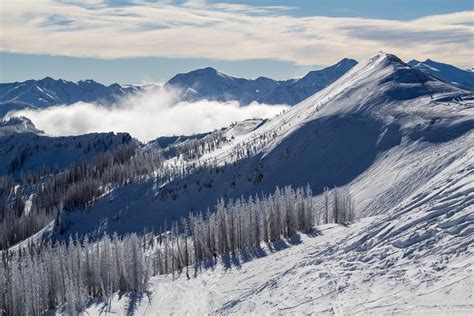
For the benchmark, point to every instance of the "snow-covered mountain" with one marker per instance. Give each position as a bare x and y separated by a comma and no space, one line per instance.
210,84
463,79
384,129
48,91
206,83
23,148
398,137
199,84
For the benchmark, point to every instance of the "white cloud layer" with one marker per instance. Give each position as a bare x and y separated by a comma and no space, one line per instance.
224,31
145,116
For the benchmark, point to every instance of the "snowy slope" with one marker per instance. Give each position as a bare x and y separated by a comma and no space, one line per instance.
28,151
314,81
311,275
375,129
414,258
48,91
463,79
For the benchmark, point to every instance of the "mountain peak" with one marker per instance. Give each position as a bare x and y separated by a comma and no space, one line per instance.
203,71
209,69
88,82
347,61
387,59
47,79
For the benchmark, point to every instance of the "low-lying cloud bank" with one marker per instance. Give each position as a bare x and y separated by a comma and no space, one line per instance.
157,112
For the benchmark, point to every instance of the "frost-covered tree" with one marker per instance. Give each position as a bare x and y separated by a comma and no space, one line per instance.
44,275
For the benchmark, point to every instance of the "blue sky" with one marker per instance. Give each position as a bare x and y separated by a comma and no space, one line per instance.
379,9
135,41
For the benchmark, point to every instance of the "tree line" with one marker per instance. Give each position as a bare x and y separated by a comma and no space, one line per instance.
39,198
49,194
44,275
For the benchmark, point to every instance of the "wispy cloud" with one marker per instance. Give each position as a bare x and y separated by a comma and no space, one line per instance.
139,28
154,113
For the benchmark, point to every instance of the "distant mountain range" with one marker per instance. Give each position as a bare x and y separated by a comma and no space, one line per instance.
298,90
48,91
207,83
463,79
210,84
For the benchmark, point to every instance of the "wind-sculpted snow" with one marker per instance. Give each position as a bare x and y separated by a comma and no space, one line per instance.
416,258
336,270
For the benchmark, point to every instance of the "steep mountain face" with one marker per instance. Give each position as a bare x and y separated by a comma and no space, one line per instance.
25,149
48,91
300,89
463,79
210,84
384,129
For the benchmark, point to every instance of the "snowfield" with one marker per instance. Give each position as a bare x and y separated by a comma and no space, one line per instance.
312,275
416,259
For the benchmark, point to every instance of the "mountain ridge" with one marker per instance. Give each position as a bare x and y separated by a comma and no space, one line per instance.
210,84
49,92
381,106
203,84
463,79
25,149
